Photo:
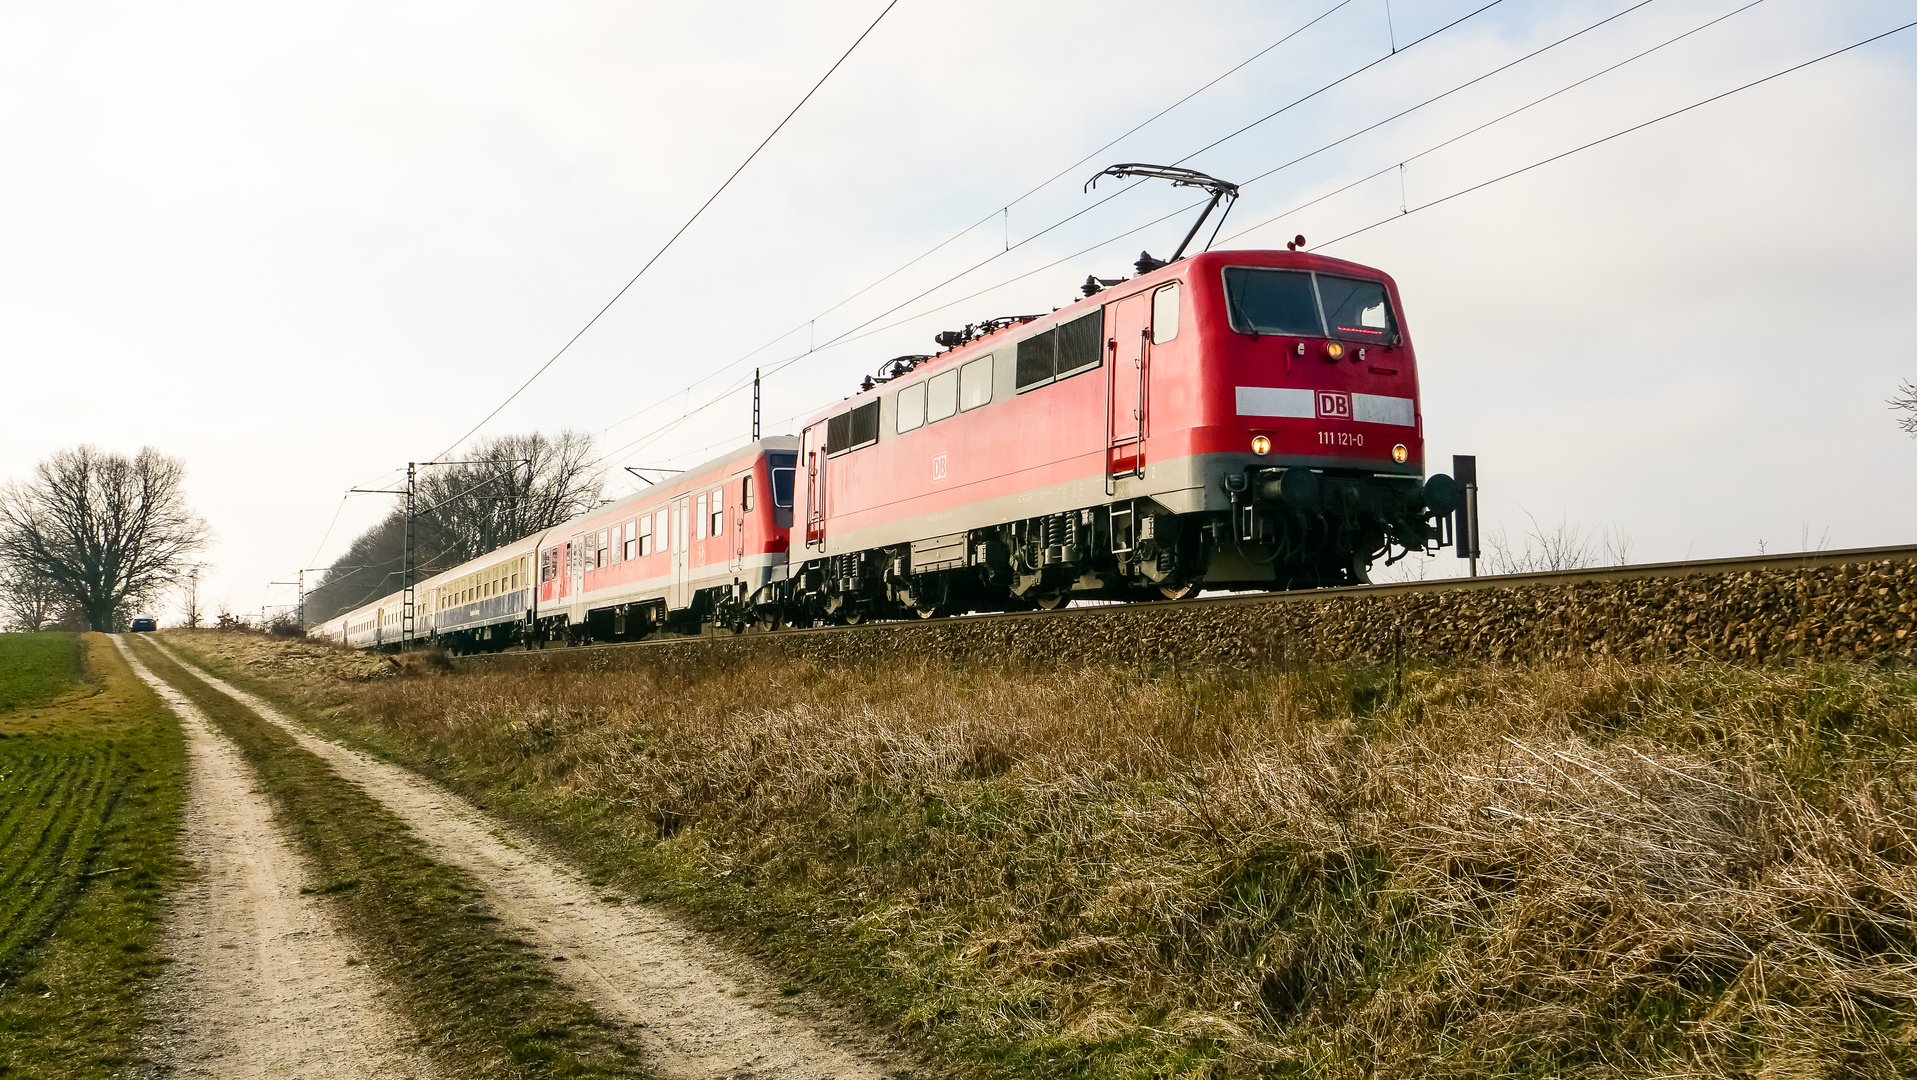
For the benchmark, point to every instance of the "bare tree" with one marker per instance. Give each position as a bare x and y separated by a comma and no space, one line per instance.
517,486
190,613
111,531
1906,402
1565,546
29,599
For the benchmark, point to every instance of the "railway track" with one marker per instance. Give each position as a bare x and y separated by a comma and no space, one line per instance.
1903,553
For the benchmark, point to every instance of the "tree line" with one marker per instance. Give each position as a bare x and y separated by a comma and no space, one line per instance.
503,490
90,537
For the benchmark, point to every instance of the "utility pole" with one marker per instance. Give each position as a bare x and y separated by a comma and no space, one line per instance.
406,563
301,582
755,404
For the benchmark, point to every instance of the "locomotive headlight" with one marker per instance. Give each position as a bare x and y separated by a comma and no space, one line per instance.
1334,350
1261,446
1399,454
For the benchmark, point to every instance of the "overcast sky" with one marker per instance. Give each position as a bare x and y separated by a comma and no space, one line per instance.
301,245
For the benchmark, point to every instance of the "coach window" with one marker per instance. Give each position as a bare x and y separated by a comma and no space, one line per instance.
718,512
699,521
1165,314
602,548
632,539
619,543
911,408
662,530
745,494
975,383
941,396
643,539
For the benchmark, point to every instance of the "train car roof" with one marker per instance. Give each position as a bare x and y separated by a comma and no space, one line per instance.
1302,260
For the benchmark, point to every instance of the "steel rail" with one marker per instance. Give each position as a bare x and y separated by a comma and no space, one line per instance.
1688,568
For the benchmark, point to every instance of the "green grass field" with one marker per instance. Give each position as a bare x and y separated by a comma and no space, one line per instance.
91,786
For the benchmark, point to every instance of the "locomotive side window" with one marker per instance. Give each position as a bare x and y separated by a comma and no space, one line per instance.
1037,360
941,396
1078,344
1271,301
851,430
745,494
911,408
975,384
782,478
1165,314
1357,310
1066,349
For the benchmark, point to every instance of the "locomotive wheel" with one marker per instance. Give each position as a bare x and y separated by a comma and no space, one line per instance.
851,616
1053,601
1178,592
767,619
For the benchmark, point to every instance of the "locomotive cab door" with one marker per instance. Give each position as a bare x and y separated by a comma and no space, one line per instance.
680,593
813,450
1127,331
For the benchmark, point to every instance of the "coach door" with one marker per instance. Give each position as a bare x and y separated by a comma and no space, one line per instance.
742,487
576,576
1127,327
680,594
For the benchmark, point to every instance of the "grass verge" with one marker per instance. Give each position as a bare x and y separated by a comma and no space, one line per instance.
1337,871
481,999
92,782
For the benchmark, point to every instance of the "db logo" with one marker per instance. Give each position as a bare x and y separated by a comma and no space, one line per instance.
1333,405
938,467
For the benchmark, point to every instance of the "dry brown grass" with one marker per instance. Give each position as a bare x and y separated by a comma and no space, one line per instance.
1592,871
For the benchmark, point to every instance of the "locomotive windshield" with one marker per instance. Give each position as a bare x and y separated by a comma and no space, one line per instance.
1288,302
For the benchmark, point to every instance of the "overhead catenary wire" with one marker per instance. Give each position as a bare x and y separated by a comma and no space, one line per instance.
1468,132
1010,246
854,334
849,337
1621,133
675,236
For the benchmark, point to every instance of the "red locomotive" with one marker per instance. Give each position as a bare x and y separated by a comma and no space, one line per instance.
1235,420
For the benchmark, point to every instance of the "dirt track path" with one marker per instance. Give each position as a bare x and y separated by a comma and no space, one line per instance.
260,985
700,1011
